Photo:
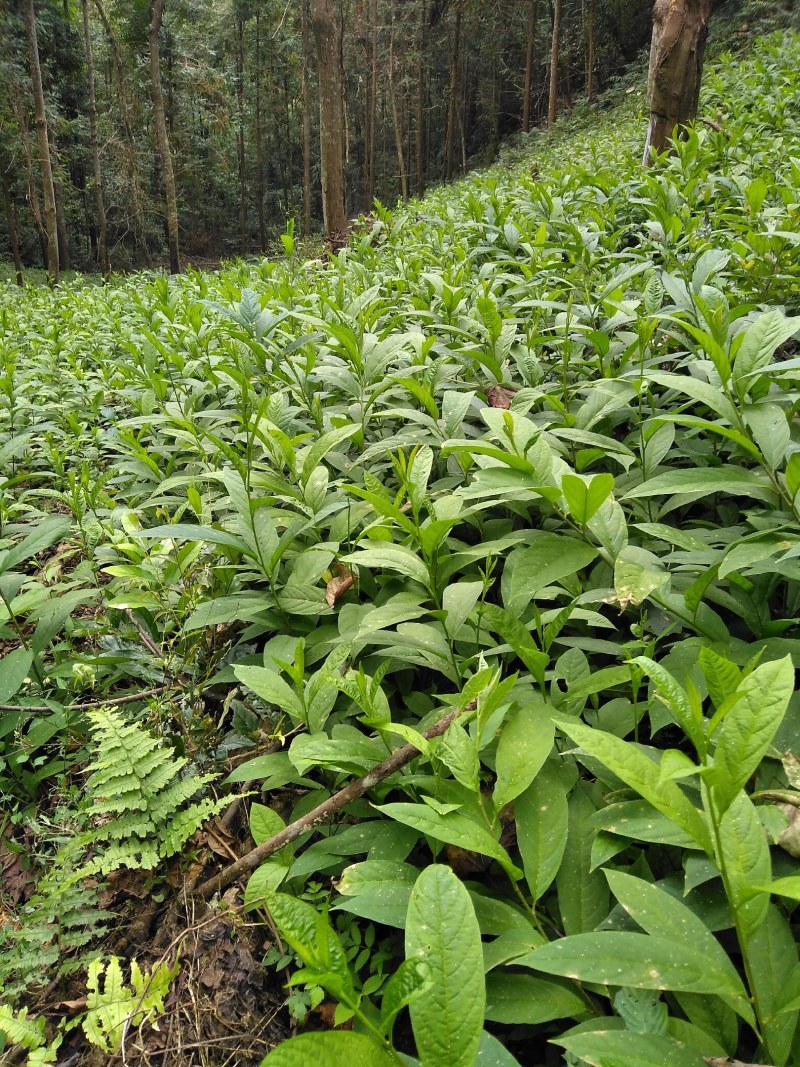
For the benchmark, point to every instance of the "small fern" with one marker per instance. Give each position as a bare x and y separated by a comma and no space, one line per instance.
134,785
18,1029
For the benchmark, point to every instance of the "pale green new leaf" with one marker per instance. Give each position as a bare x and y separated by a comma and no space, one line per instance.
542,824
335,1048
525,743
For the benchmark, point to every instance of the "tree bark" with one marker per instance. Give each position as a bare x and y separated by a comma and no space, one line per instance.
372,107
102,225
530,57
326,27
680,28
398,132
48,190
452,105
590,52
420,131
306,88
61,227
33,195
137,210
262,228
162,138
240,133
554,54
13,240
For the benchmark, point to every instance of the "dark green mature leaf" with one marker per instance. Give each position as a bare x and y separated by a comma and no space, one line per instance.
441,930
615,1048
542,816
333,1049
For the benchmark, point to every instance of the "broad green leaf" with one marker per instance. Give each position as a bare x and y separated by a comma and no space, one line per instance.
46,533
452,828
269,685
527,1000
542,824
390,557
582,892
458,600
551,558
748,728
184,531
620,958
525,743
492,1054
264,823
770,330
775,971
745,850
662,915
584,495
411,979
637,574
442,930
622,1048
334,1048
14,668
770,429
702,481
642,774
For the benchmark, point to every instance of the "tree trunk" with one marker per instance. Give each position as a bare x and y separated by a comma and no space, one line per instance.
13,240
398,132
33,195
162,139
240,133
137,210
554,51
262,228
102,226
420,131
48,190
452,105
530,57
306,122
61,227
372,108
326,26
590,53
680,28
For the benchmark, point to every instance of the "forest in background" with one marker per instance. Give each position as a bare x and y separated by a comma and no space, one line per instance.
431,89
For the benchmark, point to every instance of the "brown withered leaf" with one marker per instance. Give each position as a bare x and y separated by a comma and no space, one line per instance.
127,882
341,581
16,882
500,396
219,839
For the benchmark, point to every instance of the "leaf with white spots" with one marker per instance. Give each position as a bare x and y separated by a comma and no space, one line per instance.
622,1048
442,929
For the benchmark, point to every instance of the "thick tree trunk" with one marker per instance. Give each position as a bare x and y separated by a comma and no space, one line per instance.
554,54
680,28
530,57
240,134
452,105
326,26
137,210
48,190
306,122
13,240
102,225
162,138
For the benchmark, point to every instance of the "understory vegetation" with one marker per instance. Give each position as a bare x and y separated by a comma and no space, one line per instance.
499,507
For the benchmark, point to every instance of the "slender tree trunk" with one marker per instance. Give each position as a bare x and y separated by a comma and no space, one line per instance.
162,138
262,228
326,27
102,225
27,159
680,28
420,131
306,121
590,52
398,132
61,227
13,240
137,209
240,133
554,52
372,106
452,105
530,57
48,190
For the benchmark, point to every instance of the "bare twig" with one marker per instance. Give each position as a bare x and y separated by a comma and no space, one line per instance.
130,698
399,758
147,640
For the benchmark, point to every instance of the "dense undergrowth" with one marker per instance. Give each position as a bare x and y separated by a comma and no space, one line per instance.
527,450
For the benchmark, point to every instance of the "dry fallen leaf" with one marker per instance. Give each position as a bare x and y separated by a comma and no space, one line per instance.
339,584
500,396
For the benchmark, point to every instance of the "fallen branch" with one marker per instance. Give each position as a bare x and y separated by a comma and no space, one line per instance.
130,698
322,812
